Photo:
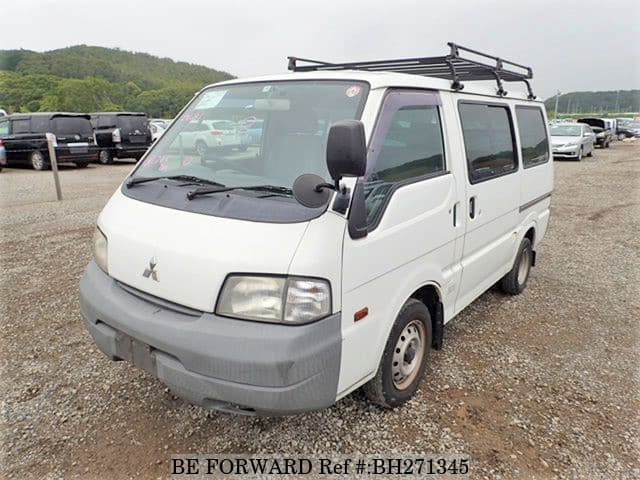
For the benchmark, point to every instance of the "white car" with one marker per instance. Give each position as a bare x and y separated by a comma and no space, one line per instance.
375,207
205,136
572,140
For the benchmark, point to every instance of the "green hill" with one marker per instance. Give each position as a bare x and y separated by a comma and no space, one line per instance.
596,102
85,79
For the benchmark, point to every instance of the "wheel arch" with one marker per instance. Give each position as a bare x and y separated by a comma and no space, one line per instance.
430,295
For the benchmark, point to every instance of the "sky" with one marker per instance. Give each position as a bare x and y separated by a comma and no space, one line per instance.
571,45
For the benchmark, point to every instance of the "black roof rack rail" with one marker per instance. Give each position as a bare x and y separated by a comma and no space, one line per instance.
452,67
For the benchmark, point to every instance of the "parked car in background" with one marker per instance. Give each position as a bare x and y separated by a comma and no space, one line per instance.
25,142
605,130
157,129
3,155
121,135
203,136
3,113
628,129
572,140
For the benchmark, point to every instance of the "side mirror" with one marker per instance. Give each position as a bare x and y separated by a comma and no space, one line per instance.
346,150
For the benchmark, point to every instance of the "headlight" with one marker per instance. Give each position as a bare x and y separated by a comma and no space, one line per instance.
277,299
100,249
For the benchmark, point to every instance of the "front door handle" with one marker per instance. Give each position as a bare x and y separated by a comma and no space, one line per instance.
472,207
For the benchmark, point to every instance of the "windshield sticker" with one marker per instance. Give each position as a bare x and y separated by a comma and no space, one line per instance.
353,91
210,99
192,117
266,88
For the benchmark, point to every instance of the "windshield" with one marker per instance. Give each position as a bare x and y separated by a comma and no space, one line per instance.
256,133
566,131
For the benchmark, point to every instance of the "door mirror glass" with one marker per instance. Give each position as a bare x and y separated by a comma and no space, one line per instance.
346,149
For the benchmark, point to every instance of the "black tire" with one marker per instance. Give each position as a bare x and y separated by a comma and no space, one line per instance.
201,148
590,154
606,144
515,282
580,152
382,389
105,157
38,161
81,164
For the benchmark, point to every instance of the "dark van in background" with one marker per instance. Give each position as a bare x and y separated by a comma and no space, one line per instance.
121,134
23,136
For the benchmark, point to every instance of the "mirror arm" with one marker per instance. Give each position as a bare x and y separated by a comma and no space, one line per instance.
331,186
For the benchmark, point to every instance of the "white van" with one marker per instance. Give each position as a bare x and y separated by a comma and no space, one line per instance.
375,201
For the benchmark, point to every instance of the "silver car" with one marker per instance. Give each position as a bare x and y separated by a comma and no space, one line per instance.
572,140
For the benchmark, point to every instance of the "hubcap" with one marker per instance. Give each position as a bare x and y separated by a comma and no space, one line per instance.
104,157
408,354
523,267
37,160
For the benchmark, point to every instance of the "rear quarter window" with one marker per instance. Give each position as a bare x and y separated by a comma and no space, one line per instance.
534,144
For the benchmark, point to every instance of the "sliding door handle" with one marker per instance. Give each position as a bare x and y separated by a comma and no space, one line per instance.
472,207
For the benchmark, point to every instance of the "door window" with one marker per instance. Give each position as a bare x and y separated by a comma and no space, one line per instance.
20,126
4,128
534,145
407,147
488,141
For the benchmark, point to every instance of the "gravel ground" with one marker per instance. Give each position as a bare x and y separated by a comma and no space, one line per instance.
543,385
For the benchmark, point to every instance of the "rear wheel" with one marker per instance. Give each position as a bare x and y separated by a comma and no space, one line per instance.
404,359
105,157
38,161
515,281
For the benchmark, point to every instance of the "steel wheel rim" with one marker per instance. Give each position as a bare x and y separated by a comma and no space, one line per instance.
37,161
523,266
408,354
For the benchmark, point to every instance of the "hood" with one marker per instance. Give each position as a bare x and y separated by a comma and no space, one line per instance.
192,253
564,140
594,122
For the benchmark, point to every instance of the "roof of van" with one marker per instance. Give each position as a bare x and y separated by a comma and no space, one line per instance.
118,113
390,79
48,114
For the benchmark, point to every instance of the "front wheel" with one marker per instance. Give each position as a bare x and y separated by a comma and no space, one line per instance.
580,152
515,281
404,359
201,148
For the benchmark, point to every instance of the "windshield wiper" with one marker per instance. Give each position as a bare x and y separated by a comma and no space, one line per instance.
187,178
260,188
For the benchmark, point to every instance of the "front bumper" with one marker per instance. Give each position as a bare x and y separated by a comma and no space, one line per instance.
221,363
566,151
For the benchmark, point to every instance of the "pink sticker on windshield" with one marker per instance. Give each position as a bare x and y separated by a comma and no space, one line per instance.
353,91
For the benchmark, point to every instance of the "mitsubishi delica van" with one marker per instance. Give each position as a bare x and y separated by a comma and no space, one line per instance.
374,202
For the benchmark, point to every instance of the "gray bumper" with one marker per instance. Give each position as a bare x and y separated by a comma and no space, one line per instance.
216,362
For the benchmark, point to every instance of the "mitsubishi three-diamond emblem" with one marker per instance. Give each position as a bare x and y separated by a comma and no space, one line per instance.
151,271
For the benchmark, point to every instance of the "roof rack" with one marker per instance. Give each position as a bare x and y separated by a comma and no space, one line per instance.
452,67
